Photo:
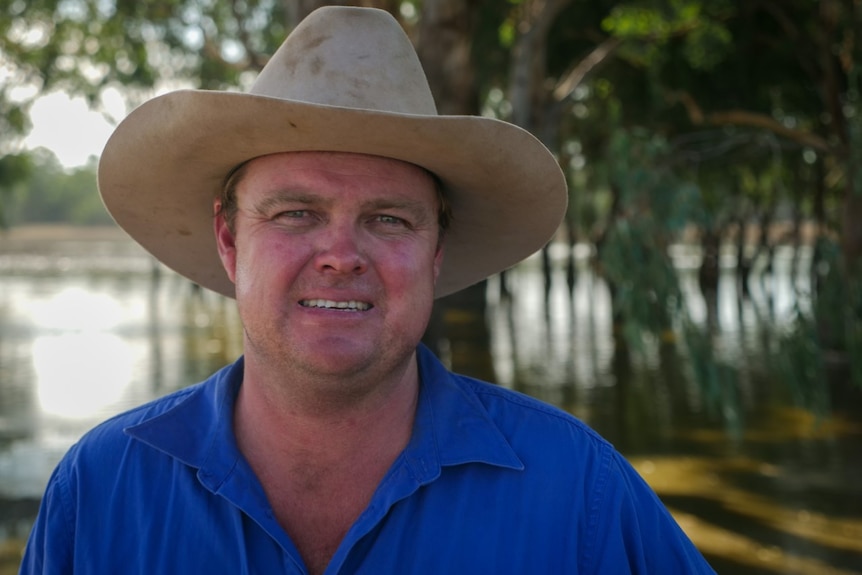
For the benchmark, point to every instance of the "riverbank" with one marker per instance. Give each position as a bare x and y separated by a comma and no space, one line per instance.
59,232
44,250
11,552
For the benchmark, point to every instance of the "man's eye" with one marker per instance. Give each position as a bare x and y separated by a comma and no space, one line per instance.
293,214
392,220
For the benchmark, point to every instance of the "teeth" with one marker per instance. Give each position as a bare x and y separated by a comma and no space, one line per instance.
351,305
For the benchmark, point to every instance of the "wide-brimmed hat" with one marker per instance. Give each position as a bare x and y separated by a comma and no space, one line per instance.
345,80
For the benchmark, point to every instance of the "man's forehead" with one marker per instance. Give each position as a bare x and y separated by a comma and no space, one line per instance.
349,162
298,173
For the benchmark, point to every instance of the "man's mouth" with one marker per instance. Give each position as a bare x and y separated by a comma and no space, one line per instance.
351,305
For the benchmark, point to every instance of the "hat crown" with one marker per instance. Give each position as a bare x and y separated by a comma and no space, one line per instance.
348,57
346,80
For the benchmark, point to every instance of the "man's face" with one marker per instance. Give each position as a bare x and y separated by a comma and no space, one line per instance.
334,257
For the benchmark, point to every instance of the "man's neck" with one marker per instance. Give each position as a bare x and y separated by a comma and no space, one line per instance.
284,420
320,464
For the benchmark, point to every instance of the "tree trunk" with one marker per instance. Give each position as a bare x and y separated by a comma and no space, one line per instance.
458,331
743,265
444,46
796,238
528,92
710,243
297,10
851,232
819,210
571,262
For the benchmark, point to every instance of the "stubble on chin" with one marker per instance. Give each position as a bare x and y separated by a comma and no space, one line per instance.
306,379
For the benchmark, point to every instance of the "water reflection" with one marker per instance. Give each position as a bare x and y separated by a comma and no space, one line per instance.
72,309
87,329
90,328
781,495
106,360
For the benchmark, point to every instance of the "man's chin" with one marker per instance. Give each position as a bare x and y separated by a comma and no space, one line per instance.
350,362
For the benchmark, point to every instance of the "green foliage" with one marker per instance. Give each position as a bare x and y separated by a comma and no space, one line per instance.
837,308
83,46
650,26
14,168
832,327
798,362
646,290
718,381
641,169
645,133
653,206
507,33
658,20
49,194
707,45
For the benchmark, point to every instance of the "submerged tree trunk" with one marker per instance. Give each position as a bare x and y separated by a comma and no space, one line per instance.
571,261
851,232
796,238
743,265
819,211
710,243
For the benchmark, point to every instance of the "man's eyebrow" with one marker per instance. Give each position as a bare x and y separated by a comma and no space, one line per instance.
281,197
415,207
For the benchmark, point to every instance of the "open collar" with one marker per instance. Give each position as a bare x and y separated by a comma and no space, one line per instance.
451,427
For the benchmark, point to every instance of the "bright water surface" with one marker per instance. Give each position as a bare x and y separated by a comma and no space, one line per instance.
89,327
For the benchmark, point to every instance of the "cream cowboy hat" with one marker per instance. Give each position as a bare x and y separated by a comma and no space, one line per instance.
345,80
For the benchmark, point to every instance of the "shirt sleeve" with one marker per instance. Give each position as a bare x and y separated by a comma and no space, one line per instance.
634,532
50,546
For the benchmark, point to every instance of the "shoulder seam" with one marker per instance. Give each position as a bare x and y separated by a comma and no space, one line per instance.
595,509
536,405
65,496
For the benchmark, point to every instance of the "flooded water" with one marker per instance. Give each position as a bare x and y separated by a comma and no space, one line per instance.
90,326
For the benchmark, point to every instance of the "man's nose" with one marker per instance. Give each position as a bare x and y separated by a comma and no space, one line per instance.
340,251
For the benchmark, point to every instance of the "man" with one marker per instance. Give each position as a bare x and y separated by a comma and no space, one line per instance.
343,206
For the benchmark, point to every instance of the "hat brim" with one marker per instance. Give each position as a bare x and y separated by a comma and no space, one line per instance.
167,161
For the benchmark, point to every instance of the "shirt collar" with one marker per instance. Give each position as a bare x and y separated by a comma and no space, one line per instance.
452,426
198,429
452,422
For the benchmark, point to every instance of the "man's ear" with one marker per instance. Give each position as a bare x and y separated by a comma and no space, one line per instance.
225,241
438,261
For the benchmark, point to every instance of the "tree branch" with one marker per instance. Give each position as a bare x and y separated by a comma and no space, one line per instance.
255,59
579,72
758,120
747,118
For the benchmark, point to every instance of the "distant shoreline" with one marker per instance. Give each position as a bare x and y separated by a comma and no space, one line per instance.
59,232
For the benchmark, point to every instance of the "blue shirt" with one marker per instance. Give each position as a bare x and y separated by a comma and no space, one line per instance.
491,481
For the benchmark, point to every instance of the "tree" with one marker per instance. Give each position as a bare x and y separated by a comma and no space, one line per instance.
754,103
14,169
51,194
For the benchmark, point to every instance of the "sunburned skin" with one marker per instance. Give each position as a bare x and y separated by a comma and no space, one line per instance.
334,258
